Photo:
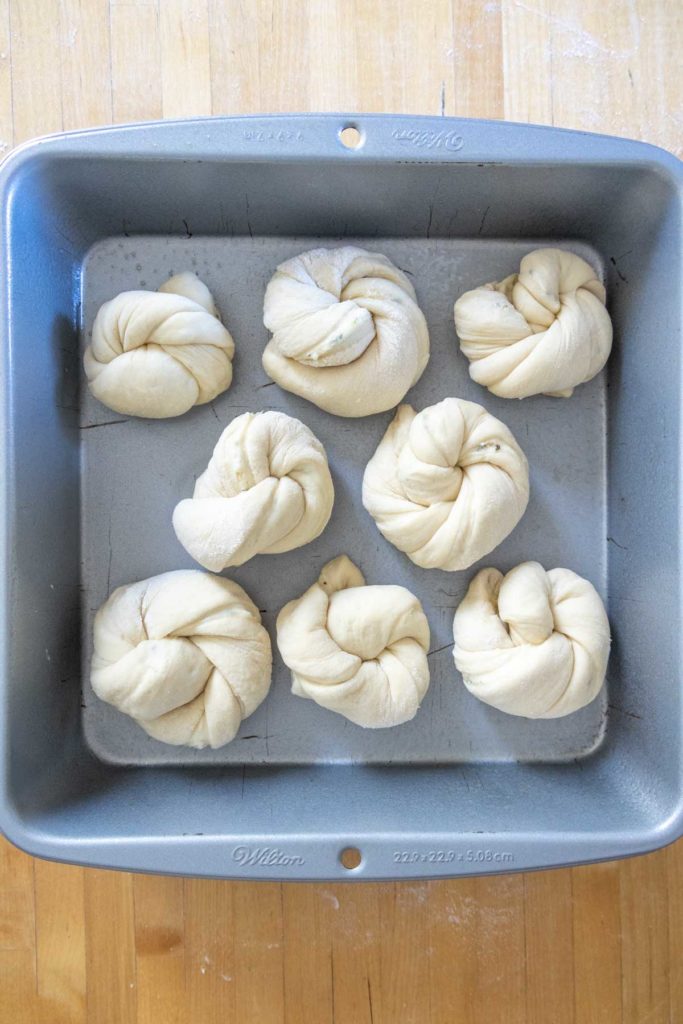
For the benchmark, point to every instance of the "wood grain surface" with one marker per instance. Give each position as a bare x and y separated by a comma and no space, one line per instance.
591,945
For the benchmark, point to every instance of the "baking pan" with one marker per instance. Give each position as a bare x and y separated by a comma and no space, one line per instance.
88,494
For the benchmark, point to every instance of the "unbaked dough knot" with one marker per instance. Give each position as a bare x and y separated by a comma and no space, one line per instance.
348,334
184,654
446,485
532,643
358,650
267,489
157,354
542,330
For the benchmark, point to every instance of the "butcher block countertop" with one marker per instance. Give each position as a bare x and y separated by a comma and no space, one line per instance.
589,945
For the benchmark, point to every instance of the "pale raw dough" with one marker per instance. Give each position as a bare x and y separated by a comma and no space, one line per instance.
541,331
184,654
348,334
267,489
532,643
360,651
156,354
446,485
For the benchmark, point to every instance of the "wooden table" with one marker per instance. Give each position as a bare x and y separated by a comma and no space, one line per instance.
598,944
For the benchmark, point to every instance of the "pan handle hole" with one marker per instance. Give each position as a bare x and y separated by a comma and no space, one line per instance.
351,137
350,858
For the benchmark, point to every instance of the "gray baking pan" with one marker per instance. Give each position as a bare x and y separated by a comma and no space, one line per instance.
87,497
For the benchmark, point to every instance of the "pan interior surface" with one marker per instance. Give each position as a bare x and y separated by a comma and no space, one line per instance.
134,471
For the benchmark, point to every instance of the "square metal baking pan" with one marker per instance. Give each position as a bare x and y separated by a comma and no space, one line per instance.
87,496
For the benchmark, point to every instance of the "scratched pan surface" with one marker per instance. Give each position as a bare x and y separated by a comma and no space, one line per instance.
134,471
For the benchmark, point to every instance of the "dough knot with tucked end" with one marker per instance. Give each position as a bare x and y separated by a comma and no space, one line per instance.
267,489
446,485
542,331
532,643
157,354
358,650
348,334
184,654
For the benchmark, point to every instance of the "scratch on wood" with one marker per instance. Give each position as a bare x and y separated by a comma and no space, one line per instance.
332,983
283,976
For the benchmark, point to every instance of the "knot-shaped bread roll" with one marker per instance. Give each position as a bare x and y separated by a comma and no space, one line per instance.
267,489
446,485
348,334
156,354
532,643
542,331
360,651
184,654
